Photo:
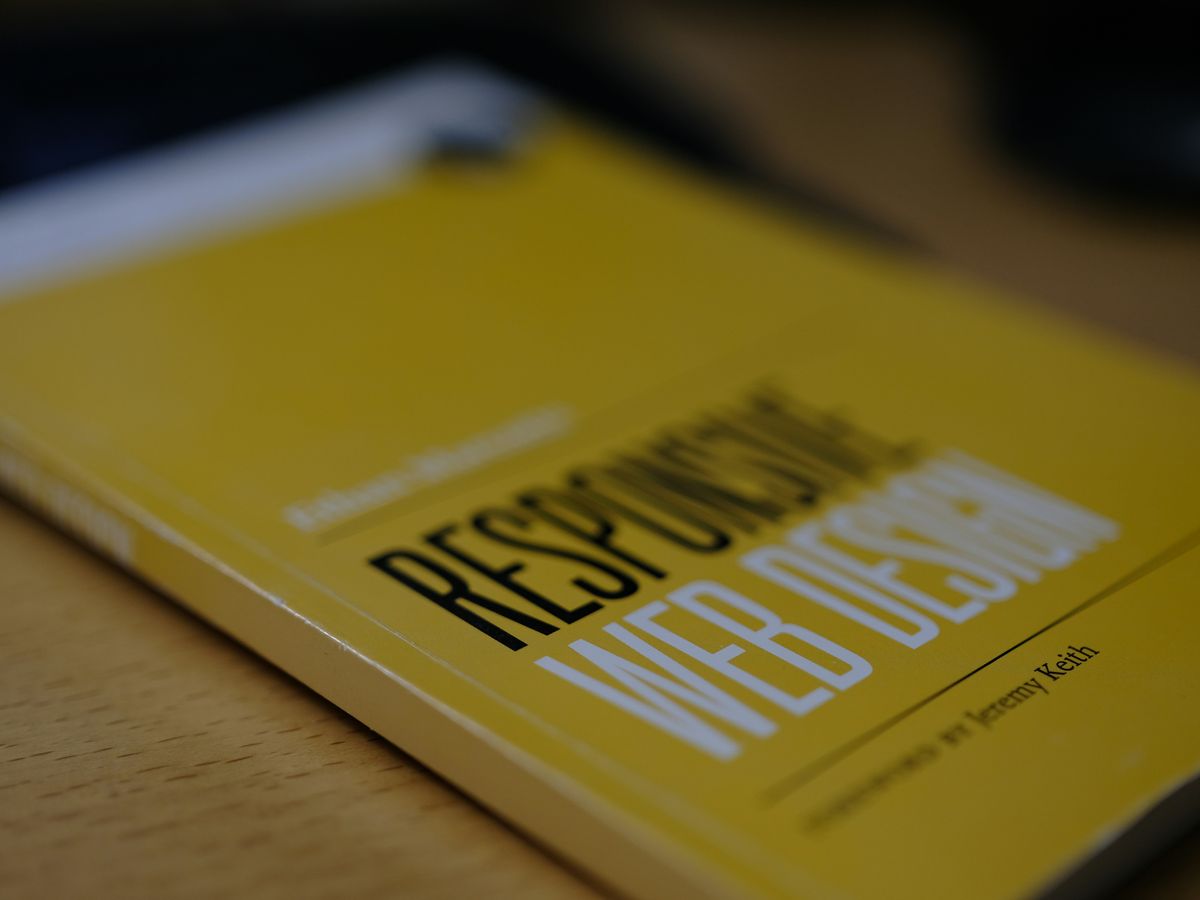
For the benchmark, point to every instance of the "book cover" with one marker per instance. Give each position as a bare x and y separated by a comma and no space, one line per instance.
719,553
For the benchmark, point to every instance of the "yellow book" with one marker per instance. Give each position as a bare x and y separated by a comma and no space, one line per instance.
723,555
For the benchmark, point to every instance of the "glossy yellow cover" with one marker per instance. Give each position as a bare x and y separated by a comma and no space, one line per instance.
724,556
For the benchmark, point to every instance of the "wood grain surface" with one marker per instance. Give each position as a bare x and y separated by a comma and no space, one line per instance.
143,754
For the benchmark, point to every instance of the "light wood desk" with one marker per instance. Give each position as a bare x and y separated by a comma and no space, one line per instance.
143,754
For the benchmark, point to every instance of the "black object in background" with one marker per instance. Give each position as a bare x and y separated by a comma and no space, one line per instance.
1102,97
73,96
76,96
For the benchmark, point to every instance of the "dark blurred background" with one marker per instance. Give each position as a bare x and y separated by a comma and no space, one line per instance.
1049,149
1052,149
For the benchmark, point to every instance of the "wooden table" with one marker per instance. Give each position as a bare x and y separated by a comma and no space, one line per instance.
143,754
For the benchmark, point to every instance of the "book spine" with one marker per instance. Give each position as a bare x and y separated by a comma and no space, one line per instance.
108,522
113,525
65,499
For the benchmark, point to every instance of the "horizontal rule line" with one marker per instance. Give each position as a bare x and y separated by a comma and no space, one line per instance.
798,779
